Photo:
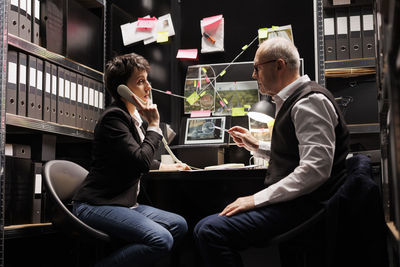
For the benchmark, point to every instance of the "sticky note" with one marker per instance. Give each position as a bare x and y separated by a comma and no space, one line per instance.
238,112
187,54
146,24
204,70
274,28
162,37
207,80
221,103
203,93
168,92
211,23
222,73
263,33
200,113
245,47
226,101
193,98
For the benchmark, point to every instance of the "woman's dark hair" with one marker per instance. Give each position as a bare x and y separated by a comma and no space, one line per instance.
120,68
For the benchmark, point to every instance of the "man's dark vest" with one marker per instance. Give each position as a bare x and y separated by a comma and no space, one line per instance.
285,146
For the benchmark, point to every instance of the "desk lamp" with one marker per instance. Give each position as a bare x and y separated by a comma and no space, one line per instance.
263,114
262,111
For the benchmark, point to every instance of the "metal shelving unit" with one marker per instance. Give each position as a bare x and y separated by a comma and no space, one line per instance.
3,71
351,63
53,57
46,127
25,125
319,41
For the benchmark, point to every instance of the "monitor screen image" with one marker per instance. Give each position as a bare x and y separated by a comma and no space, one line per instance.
208,130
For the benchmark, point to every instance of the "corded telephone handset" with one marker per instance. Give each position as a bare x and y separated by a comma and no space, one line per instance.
126,93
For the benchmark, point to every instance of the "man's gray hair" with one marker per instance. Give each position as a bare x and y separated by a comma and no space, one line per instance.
279,47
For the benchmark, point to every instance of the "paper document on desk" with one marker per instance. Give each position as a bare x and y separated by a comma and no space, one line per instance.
224,166
228,166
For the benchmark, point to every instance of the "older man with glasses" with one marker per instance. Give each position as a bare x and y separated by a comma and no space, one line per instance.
308,149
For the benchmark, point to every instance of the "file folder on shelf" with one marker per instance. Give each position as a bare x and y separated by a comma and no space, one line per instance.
329,35
24,23
85,111
67,98
47,92
79,100
342,35
13,18
101,98
368,32
60,96
37,193
31,104
18,151
53,96
36,22
73,105
355,32
39,89
18,191
22,63
12,75
96,103
29,19
91,105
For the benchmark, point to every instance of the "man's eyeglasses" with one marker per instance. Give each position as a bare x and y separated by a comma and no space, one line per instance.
262,63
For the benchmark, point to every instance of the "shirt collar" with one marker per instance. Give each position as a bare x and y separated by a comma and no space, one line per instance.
280,97
137,119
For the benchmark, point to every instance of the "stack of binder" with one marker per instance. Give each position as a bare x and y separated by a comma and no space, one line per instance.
24,20
39,89
349,33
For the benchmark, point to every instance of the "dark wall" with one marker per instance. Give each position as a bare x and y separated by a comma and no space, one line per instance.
160,56
242,20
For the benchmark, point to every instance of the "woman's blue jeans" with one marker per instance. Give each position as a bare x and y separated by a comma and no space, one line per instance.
148,232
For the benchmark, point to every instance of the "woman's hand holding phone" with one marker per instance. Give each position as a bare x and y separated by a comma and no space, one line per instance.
147,109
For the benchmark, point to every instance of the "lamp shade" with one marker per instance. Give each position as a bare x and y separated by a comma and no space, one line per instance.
262,111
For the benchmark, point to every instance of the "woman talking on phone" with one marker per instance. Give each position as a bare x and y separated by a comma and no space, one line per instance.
126,138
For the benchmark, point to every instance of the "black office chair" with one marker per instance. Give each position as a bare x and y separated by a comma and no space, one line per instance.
61,179
326,238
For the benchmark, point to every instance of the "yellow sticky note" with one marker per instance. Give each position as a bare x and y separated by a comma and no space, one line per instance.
162,37
204,70
263,33
226,101
275,28
193,98
245,47
247,106
222,73
238,112
203,93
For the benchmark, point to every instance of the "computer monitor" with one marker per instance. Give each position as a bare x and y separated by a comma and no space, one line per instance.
209,130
